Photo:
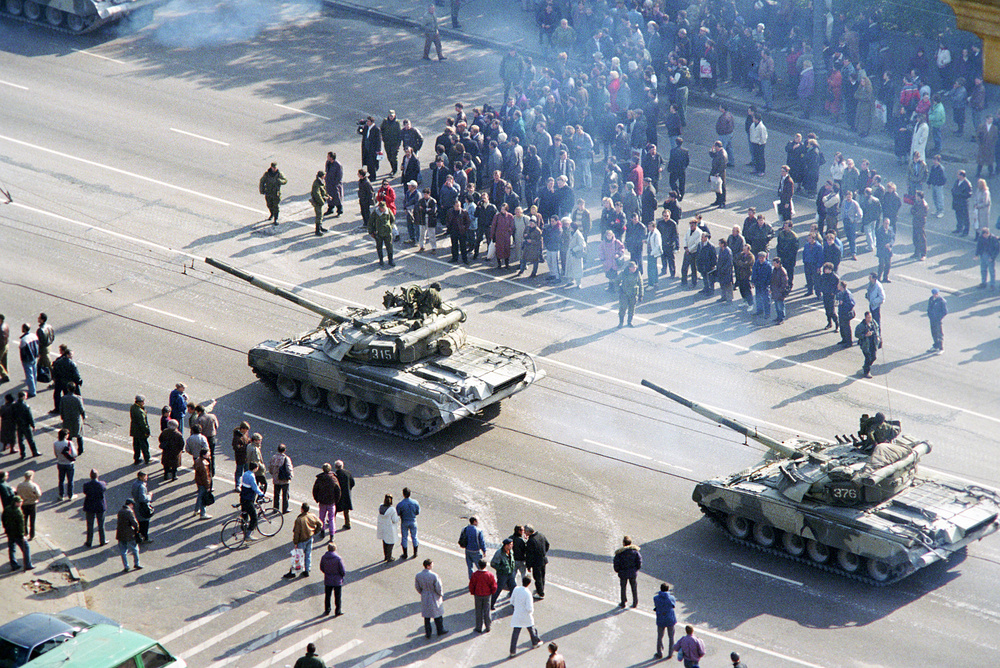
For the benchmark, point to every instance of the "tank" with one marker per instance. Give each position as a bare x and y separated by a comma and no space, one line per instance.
71,16
855,505
405,368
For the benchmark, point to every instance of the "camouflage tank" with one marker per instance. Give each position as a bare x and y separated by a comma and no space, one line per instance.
855,505
72,16
406,369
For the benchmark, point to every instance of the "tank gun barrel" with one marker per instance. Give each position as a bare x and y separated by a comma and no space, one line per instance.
766,441
275,290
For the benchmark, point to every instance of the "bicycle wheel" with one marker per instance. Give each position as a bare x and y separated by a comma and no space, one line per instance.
269,521
233,533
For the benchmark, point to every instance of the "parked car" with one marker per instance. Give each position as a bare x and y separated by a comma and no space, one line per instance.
107,646
29,637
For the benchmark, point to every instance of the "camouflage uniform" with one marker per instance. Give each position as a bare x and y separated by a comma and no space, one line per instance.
317,197
380,227
270,188
629,293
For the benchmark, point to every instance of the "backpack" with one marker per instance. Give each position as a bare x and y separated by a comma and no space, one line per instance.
285,471
463,538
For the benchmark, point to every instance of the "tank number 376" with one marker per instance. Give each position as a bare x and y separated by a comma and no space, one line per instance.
845,493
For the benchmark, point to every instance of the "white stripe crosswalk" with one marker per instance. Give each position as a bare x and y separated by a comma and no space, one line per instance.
219,637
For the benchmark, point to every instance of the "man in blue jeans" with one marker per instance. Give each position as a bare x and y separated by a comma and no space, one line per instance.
760,276
474,544
408,509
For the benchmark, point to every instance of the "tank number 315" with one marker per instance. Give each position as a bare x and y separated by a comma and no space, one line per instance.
382,354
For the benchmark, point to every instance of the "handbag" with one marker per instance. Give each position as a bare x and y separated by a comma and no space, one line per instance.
716,183
491,251
208,498
298,561
705,69
43,375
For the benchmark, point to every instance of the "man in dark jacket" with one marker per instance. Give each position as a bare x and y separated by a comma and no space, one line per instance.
937,309
724,271
391,138
845,313
677,167
458,230
718,170
826,287
960,194
869,338
627,563
270,187
535,550
346,481
13,526
788,250
139,430
366,197
786,189
95,505
25,423
127,535
371,145
780,287
759,236
326,493
706,264
761,279
334,180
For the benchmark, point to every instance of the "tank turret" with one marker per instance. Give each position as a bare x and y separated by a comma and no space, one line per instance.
855,501
408,365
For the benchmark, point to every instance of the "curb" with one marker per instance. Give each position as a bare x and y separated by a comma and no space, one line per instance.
705,100
60,559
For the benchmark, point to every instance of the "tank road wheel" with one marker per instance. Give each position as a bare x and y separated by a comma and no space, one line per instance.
848,561
386,417
75,23
311,395
878,570
740,527
53,16
794,544
764,535
32,10
414,426
337,402
14,7
818,552
360,409
287,387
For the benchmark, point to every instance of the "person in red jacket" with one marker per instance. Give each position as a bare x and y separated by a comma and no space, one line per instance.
482,586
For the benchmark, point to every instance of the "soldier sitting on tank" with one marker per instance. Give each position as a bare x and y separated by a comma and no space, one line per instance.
429,300
877,429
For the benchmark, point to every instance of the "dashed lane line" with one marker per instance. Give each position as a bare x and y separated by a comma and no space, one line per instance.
275,422
13,85
166,313
97,55
622,450
202,137
302,111
766,574
521,498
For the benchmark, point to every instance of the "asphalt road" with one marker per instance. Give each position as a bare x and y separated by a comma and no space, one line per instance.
131,157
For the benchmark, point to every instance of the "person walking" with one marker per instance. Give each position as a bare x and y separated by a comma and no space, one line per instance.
29,358
518,548
171,445
387,529
664,605
987,249
331,565
827,288
535,550
334,182
72,413
845,313
326,494
875,295
408,509
13,525
630,292
677,165
65,453
24,423
472,541
504,565
937,309
627,563
306,526
241,439
717,174
428,585
203,483
310,660
691,647
142,505
937,180
127,535
346,481
139,430
30,494
318,196
869,339
885,239
482,586
523,617
432,34
270,188
380,228
280,468
95,505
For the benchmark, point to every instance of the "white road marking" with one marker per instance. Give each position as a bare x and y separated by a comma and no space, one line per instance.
346,647
201,621
97,55
202,137
275,422
377,656
257,644
275,658
302,111
13,85
770,575
156,310
522,498
933,285
222,635
611,447
673,466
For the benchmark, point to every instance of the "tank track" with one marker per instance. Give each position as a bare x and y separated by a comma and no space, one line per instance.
42,23
347,417
720,524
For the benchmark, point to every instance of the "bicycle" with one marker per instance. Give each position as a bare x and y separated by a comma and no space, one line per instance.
236,530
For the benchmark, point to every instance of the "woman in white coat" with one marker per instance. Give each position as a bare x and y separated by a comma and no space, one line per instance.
654,250
524,615
920,133
981,205
576,255
387,530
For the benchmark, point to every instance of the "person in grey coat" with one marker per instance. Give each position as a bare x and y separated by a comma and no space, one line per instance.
73,414
428,585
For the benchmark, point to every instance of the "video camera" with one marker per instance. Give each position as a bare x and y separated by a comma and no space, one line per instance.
361,126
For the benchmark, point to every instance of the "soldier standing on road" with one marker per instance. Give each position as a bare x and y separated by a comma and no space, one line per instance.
25,424
333,570
391,138
317,197
64,372
627,563
30,494
270,188
280,468
46,336
139,430
869,339
310,660
431,34
13,526
326,493
664,605
380,228
95,505
408,509
346,481
534,558
630,291
482,586
143,505
471,539
428,585
937,309
127,535
691,646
